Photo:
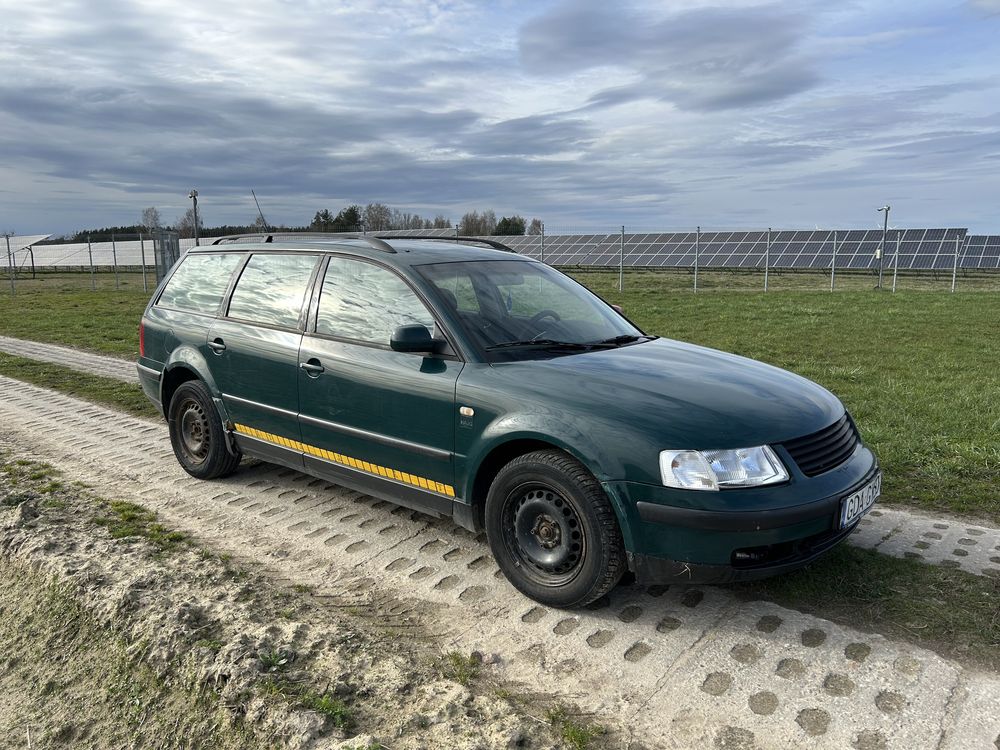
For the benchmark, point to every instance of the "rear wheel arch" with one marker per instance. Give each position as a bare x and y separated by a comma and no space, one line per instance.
173,378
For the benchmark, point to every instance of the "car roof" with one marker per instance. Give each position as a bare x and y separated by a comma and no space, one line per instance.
400,252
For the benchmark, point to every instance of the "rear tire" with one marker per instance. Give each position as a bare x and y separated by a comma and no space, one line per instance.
197,435
553,531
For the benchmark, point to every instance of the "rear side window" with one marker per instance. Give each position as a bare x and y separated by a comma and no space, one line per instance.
200,282
366,302
272,288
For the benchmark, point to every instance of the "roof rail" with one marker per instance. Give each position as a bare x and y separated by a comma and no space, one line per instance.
491,243
375,242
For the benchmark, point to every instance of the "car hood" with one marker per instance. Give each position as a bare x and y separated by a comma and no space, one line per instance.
678,394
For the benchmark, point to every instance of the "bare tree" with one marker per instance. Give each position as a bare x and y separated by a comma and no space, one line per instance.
535,227
378,216
185,227
442,222
151,218
475,224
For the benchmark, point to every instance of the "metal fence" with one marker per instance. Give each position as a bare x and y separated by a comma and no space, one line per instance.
831,252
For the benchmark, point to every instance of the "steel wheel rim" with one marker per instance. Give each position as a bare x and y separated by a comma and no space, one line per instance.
544,534
193,429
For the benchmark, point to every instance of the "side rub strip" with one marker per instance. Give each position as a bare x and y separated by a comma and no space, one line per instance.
354,463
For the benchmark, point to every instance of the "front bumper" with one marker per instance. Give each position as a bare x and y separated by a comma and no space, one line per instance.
745,535
783,558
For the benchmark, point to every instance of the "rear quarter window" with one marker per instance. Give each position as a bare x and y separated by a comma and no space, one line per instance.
200,282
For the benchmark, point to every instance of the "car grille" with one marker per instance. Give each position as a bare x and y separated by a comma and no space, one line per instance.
826,449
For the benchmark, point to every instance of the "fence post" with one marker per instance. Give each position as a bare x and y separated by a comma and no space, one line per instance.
114,258
697,252
543,242
90,255
31,254
833,263
895,262
142,253
954,266
10,264
621,261
767,257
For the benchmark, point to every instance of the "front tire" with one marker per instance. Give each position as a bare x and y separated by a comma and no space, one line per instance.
553,531
197,435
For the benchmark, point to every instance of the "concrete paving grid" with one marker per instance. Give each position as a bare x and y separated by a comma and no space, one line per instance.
675,666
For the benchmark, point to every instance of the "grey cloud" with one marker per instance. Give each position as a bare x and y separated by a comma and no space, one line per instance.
537,135
703,59
985,7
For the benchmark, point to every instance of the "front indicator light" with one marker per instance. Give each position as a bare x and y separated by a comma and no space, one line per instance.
718,469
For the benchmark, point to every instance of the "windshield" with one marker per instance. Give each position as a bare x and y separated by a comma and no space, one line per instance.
518,308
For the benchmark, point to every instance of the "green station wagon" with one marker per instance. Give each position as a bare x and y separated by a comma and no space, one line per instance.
476,384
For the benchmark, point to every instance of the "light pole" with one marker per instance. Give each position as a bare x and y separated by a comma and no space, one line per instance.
885,229
193,195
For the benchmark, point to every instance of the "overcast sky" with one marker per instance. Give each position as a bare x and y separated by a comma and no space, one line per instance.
585,114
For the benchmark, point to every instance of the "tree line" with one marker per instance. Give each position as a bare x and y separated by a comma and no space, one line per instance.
374,217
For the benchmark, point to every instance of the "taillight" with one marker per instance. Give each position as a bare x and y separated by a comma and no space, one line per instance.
142,339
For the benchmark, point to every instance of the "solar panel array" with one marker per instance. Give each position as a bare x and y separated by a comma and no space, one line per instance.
981,251
918,249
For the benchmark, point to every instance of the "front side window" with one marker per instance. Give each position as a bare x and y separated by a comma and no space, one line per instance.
518,308
272,288
200,282
365,302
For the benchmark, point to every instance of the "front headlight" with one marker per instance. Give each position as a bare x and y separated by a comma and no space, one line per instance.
712,470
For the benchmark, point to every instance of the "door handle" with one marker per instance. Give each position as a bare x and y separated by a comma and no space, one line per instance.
218,346
313,367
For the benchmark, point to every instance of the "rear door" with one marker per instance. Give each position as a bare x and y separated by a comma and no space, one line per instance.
253,352
370,417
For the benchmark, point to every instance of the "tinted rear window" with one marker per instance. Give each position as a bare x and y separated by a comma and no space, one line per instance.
272,289
200,282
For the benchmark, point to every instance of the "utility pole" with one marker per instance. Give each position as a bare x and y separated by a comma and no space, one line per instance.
885,229
193,195
10,263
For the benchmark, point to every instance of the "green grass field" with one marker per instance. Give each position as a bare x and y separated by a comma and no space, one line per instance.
62,309
919,369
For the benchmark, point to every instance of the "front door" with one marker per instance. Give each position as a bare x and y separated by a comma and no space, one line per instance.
370,417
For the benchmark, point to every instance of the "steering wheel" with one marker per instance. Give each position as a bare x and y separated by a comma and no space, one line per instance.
542,314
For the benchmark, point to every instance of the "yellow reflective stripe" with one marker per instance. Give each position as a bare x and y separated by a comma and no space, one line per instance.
354,463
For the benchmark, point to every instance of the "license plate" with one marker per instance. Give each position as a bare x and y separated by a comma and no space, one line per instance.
856,505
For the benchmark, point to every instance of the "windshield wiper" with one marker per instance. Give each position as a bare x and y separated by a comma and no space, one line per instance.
541,343
625,338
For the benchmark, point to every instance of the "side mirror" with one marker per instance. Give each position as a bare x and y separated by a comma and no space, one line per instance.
412,338
618,309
